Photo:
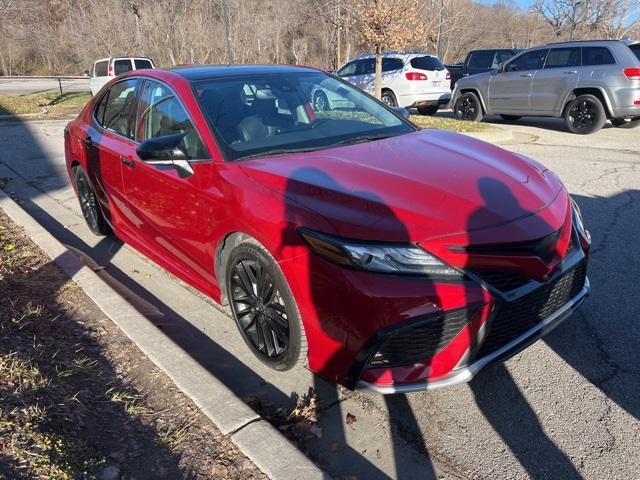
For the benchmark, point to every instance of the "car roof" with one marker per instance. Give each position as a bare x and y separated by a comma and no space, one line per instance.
202,72
396,54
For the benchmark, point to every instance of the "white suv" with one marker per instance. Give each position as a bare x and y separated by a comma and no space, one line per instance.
409,80
107,68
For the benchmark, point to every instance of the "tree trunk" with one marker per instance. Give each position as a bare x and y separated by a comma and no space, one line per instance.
378,81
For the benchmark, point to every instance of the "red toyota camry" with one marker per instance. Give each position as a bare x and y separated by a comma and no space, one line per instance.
385,257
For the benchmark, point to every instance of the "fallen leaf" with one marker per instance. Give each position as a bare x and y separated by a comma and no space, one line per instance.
351,420
317,431
146,276
334,447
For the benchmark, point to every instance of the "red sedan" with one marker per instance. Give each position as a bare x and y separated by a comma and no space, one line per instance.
385,257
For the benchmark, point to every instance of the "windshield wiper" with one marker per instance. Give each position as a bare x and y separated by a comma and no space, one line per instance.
280,151
366,138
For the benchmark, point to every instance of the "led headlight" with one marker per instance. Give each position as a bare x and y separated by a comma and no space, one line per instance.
393,258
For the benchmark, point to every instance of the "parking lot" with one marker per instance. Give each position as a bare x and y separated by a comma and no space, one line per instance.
568,407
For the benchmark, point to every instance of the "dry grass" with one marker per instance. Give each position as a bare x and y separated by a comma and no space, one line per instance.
44,105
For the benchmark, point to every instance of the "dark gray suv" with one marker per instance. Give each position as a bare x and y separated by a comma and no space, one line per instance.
584,82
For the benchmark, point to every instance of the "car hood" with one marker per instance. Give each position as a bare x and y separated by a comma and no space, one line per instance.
411,187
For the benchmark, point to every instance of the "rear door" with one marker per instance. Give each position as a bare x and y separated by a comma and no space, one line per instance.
510,89
555,80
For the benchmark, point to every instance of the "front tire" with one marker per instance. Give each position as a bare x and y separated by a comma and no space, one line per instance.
89,202
626,122
467,107
263,307
584,115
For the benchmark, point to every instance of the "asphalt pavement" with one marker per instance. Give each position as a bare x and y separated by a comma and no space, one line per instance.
568,407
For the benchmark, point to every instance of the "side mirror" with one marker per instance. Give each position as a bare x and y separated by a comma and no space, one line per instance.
87,73
166,151
402,111
501,68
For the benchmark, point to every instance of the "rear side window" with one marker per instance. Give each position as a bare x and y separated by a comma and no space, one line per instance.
391,64
636,50
562,57
122,66
116,107
427,63
141,63
597,56
101,69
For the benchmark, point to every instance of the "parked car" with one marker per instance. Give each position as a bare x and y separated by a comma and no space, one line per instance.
386,257
583,82
409,80
480,61
106,69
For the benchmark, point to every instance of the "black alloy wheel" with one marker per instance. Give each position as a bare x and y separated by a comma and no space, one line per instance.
264,309
626,122
89,203
468,107
321,102
584,115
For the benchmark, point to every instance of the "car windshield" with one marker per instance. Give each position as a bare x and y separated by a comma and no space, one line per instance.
274,114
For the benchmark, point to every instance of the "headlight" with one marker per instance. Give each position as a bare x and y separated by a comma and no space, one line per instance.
393,258
577,215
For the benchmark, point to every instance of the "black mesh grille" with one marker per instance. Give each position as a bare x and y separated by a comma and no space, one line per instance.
517,317
421,342
503,281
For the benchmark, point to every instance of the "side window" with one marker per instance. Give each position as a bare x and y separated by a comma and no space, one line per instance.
597,56
366,66
481,60
502,57
562,57
122,66
115,110
101,69
348,70
391,64
141,63
162,114
527,61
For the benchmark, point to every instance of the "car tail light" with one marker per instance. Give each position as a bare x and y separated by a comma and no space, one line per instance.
110,74
416,76
632,73
448,76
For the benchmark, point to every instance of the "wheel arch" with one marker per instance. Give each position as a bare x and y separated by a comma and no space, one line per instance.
477,93
595,91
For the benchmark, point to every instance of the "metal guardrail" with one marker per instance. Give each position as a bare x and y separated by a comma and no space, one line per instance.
58,78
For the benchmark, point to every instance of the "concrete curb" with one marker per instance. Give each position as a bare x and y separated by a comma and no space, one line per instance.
493,136
256,438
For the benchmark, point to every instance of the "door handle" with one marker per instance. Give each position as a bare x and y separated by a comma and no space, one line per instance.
127,162
526,75
570,72
87,141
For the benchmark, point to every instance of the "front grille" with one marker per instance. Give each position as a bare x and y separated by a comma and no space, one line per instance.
421,342
515,318
503,281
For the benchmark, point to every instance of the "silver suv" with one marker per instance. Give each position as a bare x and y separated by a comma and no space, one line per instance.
409,80
584,82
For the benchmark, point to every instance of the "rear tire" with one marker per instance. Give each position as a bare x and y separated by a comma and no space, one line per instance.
89,202
467,107
263,307
430,110
626,122
584,115
389,99
321,102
